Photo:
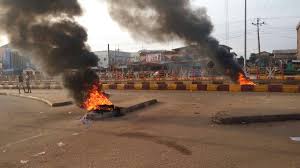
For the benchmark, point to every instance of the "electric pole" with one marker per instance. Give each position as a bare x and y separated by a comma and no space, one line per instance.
258,23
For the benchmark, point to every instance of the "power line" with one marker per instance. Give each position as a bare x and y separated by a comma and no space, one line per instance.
281,17
265,18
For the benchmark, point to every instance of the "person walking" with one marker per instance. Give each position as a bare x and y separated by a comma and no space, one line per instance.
21,83
27,78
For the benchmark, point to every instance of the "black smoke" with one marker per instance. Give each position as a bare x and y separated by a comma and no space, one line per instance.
47,31
161,20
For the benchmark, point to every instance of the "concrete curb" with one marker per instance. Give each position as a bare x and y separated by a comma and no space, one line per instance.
41,86
51,104
96,117
205,87
255,119
139,106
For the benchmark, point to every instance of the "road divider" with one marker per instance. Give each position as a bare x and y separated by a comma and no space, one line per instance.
182,86
231,120
205,87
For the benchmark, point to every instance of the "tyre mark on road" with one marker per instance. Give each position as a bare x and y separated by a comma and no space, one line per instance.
159,140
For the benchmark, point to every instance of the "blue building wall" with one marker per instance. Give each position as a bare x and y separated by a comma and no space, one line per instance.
7,59
13,63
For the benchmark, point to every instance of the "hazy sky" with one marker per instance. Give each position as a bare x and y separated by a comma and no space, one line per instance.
281,17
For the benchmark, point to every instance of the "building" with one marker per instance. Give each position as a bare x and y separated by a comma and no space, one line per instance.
120,59
135,57
298,41
115,59
262,60
228,49
12,62
103,59
1,62
152,56
285,56
178,60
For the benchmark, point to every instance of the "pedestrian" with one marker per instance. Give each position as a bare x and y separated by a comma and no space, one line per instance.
21,83
27,78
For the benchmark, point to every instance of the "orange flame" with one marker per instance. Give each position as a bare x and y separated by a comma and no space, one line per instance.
95,99
243,80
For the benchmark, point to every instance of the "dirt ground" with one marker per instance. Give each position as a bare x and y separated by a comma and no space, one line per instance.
177,132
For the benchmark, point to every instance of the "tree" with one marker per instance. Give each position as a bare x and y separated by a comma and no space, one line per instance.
241,61
253,58
210,65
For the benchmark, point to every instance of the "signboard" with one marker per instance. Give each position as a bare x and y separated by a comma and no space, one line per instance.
154,58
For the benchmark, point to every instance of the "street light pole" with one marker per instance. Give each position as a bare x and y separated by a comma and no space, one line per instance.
245,60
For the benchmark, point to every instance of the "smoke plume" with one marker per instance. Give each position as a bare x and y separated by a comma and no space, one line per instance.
47,31
161,20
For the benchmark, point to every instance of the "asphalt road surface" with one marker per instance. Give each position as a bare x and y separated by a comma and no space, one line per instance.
175,133
28,127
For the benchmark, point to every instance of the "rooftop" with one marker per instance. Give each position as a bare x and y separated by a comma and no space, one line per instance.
152,51
287,51
184,48
225,46
265,52
5,46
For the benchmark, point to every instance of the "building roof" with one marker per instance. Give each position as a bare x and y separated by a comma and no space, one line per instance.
185,48
5,46
114,53
191,46
265,52
288,51
227,47
8,46
152,51
234,53
296,61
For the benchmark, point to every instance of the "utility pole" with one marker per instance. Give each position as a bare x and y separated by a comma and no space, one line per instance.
108,50
108,56
245,61
258,23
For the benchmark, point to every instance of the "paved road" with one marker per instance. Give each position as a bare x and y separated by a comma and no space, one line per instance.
27,127
175,133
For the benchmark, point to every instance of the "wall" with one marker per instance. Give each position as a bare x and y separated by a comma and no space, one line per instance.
115,58
103,59
1,58
298,40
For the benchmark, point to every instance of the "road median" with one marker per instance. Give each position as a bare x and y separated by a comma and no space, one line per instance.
205,87
236,120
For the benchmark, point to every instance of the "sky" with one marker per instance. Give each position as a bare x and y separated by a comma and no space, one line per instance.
279,32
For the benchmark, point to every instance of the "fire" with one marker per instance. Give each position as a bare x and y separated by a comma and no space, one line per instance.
243,80
95,99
